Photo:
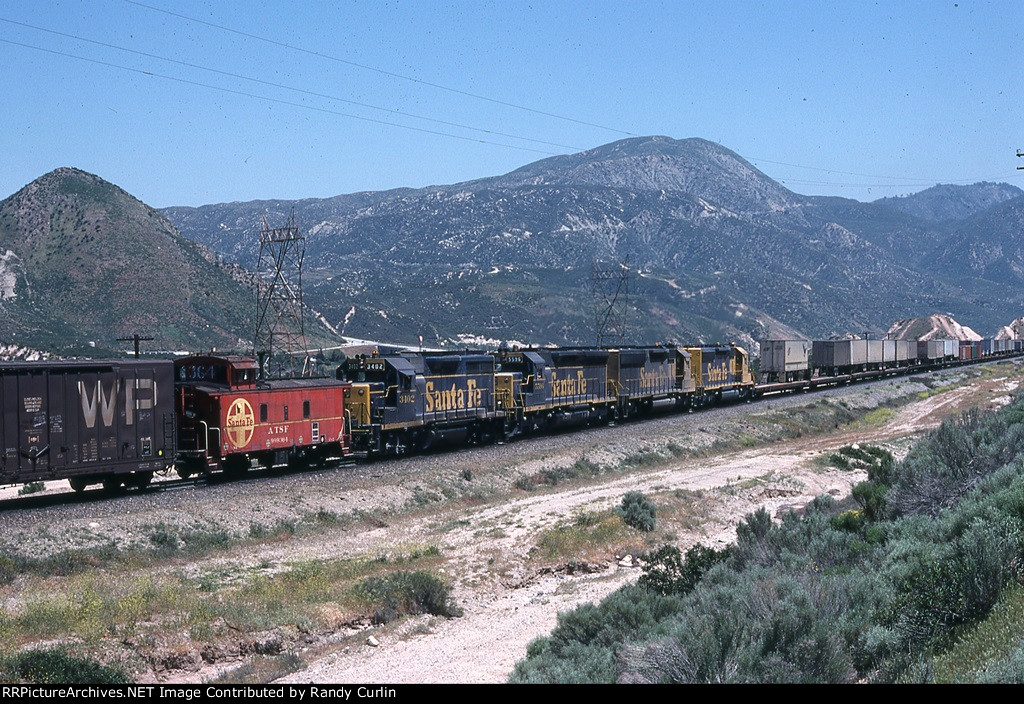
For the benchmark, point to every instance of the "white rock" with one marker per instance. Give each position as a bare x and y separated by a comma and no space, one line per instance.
373,642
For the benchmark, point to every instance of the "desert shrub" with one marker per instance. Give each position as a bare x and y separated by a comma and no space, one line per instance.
55,666
851,521
942,584
876,460
871,497
1007,670
750,627
31,488
953,458
637,511
407,593
583,647
665,571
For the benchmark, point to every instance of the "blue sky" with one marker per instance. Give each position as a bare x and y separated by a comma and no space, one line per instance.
858,99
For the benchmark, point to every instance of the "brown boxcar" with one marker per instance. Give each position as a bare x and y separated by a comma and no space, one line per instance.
98,421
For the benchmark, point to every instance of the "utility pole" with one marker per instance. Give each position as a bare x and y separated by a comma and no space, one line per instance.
1020,153
136,339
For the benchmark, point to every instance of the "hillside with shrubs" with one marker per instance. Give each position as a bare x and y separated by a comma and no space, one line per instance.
916,578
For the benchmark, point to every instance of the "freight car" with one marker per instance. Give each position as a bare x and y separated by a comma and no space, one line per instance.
109,422
229,420
785,360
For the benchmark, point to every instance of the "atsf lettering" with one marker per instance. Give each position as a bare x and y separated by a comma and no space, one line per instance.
718,372
655,379
570,386
453,398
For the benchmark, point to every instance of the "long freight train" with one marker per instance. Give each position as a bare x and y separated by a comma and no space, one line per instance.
117,423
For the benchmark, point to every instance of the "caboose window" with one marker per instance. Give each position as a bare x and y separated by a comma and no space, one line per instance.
305,409
286,412
263,413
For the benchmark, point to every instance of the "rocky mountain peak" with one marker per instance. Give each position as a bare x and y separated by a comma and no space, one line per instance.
695,166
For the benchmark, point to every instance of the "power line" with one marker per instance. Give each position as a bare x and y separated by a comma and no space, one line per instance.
925,181
923,184
276,100
908,182
381,71
285,87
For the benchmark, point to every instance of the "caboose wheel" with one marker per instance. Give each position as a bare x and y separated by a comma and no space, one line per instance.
236,466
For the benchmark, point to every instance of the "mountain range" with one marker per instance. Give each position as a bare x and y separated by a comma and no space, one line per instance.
717,251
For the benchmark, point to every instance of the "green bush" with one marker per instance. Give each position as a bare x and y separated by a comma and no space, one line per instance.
407,593
665,571
637,511
55,666
31,488
871,497
754,627
584,646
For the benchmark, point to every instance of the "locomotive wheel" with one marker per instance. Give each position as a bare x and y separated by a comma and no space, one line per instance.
78,484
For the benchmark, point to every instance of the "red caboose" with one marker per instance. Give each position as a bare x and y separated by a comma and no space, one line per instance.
228,420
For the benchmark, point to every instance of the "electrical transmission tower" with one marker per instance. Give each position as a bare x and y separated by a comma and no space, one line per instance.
280,340
609,288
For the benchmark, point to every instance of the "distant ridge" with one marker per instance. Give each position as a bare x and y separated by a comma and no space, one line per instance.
719,251
82,263
932,327
953,202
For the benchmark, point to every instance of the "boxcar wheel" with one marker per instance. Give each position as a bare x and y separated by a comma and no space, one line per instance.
112,485
78,484
140,480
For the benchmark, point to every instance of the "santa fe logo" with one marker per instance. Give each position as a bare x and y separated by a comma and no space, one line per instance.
240,423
